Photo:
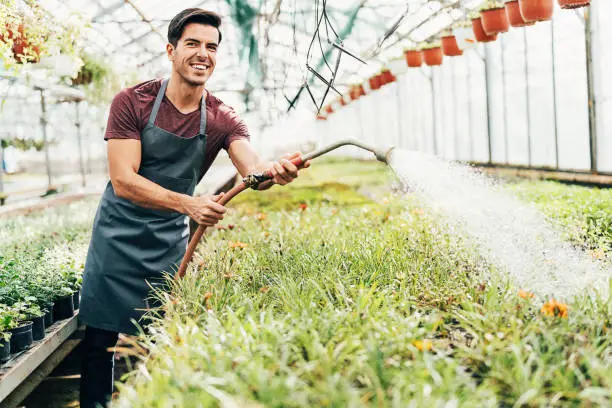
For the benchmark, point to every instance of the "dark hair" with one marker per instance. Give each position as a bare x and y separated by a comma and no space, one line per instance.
192,15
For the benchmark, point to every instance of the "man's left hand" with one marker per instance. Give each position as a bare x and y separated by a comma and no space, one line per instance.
284,171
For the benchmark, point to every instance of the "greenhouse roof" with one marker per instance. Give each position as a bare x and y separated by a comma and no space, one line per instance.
265,50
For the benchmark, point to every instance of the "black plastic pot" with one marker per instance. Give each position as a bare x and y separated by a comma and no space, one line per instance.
63,308
5,350
38,327
76,299
21,337
49,316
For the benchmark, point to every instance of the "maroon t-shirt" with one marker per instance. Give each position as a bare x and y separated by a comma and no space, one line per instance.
131,108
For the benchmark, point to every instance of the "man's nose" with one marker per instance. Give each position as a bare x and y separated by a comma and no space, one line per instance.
202,52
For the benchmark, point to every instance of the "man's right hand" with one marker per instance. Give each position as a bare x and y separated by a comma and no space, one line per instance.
204,210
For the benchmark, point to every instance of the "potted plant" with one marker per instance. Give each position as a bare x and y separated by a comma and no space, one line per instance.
432,53
386,76
479,32
374,82
414,59
63,307
494,18
27,33
536,10
5,345
450,48
572,4
93,70
513,12
32,312
20,330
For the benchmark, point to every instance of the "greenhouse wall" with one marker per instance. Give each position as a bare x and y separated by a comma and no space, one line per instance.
521,100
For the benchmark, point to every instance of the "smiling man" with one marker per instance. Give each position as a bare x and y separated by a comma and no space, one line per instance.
162,135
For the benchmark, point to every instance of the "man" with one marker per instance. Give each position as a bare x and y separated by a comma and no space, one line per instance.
162,137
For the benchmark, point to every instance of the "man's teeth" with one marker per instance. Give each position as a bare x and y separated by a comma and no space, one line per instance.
200,67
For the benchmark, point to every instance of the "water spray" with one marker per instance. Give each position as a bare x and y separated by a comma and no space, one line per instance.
253,181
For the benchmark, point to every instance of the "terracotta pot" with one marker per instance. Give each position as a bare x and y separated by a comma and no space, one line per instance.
479,32
321,117
341,101
360,90
536,10
387,77
374,82
356,91
329,110
450,48
413,58
432,56
573,4
513,12
494,21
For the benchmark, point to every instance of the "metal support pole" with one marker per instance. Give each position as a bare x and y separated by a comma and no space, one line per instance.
527,96
470,109
1,170
455,104
43,124
489,100
504,97
77,123
433,112
554,79
398,95
591,90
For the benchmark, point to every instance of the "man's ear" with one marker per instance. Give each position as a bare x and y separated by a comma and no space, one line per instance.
170,51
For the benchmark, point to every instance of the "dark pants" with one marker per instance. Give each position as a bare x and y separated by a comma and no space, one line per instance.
97,367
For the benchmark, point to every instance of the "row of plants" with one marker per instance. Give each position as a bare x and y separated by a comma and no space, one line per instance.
584,214
493,18
316,295
40,277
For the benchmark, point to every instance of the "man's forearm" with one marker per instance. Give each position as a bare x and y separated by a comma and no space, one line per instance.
146,193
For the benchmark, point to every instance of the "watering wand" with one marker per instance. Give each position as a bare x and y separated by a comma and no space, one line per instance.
253,180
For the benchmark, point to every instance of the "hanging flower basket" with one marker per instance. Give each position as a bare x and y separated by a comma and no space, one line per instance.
513,12
479,32
356,92
413,58
494,20
321,117
341,101
329,110
23,50
450,48
432,55
536,10
573,4
374,82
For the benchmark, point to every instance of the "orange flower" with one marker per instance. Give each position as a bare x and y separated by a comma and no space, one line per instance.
422,345
303,207
265,289
261,216
555,309
525,295
418,211
238,244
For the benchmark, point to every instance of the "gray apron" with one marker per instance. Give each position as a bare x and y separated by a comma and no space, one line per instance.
133,247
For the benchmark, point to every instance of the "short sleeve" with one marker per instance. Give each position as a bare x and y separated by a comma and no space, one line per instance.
123,122
237,129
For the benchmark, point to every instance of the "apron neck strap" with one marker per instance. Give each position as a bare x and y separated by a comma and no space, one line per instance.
203,114
160,96
158,100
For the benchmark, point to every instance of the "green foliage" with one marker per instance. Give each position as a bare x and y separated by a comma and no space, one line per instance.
377,305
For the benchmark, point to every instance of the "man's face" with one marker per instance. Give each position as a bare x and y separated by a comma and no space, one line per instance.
195,55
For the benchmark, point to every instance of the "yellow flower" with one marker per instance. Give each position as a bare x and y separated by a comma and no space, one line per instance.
422,345
238,244
261,216
525,295
599,254
554,309
418,211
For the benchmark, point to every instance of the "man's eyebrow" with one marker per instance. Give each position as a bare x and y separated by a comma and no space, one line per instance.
198,41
